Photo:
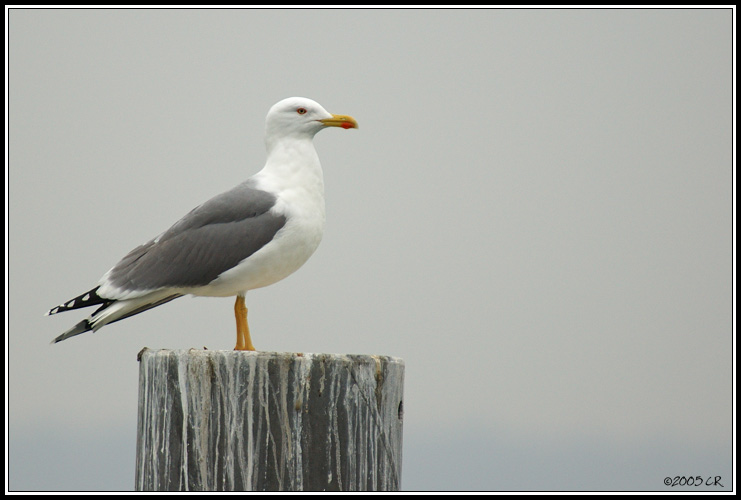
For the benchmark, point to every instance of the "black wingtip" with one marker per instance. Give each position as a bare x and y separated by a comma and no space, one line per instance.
81,327
87,299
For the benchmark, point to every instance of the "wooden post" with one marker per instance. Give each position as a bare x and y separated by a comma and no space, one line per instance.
268,421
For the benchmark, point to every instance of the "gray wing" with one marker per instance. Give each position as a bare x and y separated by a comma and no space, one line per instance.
210,239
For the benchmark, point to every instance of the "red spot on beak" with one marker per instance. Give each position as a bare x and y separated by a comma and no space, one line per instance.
346,125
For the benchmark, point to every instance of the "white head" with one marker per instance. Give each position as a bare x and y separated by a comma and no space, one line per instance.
300,117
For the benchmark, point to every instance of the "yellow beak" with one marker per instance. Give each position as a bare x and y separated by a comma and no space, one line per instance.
343,121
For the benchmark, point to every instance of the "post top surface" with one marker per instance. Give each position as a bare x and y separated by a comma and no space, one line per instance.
265,355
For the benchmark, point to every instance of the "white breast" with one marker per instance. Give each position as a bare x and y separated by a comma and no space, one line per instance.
299,188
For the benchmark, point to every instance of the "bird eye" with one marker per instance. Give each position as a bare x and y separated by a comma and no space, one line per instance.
301,111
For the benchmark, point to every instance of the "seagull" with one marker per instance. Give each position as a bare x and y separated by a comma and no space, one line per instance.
251,236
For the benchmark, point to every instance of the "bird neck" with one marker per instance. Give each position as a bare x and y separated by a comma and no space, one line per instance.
294,162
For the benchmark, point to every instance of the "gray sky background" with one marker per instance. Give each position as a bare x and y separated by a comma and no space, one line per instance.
536,214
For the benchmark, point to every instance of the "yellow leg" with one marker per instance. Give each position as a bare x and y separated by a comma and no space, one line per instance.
244,342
